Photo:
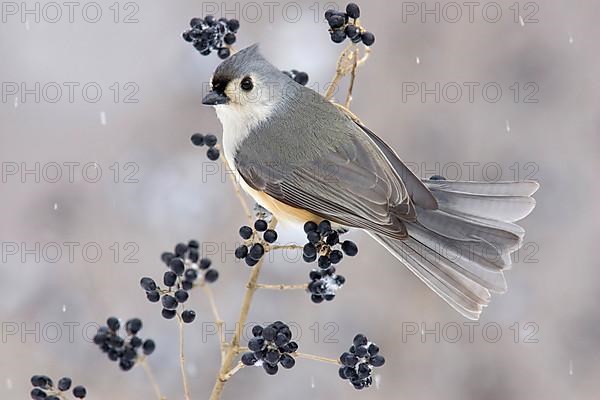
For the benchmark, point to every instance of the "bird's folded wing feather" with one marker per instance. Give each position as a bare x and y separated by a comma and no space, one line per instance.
349,181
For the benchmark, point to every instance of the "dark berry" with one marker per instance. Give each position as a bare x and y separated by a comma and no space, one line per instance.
38,394
148,347
79,392
353,10
210,20
187,285
301,78
241,252
188,316
249,359
257,330
329,14
126,365
169,278
169,302
310,227
205,263
168,314
153,296
373,349
313,237
64,384
113,324
250,261
213,153
349,248
324,262
166,257
261,225
256,251
316,298
269,333
193,244
135,342
229,38
133,326
256,344
197,139
336,21
338,36
368,38
287,361
181,296
194,22
246,232
177,266
148,284
181,249
233,25
223,53
210,140
324,227
270,369
190,274
336,256
211,275
359,340
270,236
333,238
377,361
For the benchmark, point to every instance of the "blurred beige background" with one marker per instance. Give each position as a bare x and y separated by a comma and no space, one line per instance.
156,189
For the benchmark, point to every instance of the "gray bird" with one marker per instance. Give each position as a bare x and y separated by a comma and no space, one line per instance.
304,159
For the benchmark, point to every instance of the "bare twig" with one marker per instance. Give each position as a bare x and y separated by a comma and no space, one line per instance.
233,371
302,286
216,316
186,389
233,348
352,78
144,363
285,247
317,358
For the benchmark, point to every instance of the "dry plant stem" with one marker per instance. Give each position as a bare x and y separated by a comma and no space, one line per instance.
216,316
302,286
233,371
317,358
186,389
352,78
286,247
339,74
233,348
152,379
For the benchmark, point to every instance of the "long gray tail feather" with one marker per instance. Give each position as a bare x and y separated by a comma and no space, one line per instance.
461,249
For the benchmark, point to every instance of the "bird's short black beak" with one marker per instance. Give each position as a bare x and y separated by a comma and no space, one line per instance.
214,99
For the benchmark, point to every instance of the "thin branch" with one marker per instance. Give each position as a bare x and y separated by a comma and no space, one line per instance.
233,371
186,389
233,348
285,247
152,379
302,286
216,316
318,358
352,78
339,74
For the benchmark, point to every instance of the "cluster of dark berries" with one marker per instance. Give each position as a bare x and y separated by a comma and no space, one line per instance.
321,242
359,361
253,250
298,76
271,346
185,268
123,349
209,34
44,389
342,28
324,284
200,140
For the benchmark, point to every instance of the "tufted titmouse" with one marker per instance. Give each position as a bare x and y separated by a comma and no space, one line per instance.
304,159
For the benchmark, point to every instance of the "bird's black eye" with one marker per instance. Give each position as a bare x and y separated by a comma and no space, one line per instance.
247,84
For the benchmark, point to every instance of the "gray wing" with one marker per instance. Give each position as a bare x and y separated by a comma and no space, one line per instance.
333,168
